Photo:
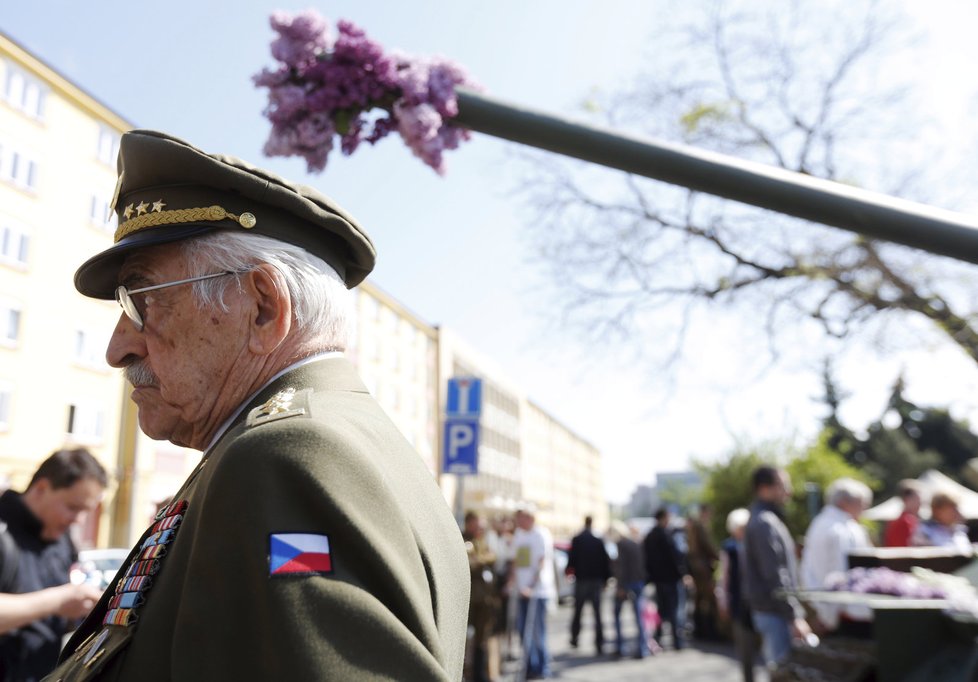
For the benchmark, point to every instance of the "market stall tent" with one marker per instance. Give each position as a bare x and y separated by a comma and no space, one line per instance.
932,481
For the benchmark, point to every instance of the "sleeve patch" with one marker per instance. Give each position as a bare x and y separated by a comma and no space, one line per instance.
299,554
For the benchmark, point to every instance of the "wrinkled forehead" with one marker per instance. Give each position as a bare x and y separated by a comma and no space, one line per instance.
152,262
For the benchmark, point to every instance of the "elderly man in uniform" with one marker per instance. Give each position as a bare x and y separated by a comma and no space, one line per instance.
311,542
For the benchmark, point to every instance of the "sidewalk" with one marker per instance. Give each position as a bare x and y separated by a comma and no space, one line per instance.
698,663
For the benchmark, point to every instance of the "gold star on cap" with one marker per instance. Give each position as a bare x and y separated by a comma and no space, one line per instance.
158,205
128,212
141,208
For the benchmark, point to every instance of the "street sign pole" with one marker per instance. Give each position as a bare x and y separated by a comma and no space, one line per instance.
463,408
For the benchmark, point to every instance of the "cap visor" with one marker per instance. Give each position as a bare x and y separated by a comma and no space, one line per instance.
98,277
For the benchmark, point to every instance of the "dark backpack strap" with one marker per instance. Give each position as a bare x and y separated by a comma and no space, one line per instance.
9,560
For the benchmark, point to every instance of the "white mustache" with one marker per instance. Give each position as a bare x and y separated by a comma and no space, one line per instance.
139,374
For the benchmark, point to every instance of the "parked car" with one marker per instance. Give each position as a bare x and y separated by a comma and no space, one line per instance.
97,567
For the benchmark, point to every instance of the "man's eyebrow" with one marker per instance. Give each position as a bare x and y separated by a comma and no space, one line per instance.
134,280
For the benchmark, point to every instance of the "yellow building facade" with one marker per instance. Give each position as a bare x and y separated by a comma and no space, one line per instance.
562,473
396,354
57,175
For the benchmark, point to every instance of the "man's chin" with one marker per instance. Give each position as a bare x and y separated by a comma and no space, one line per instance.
159,423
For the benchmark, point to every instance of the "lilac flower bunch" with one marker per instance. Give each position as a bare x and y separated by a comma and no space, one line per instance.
884,580
348,87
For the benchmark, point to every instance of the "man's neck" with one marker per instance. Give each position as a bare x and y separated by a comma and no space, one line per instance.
262,370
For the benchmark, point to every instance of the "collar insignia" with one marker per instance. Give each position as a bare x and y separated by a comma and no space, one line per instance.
279,406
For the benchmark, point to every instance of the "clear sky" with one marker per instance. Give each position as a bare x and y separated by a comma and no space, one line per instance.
450,248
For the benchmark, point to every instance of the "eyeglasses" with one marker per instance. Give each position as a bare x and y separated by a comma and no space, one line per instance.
124,295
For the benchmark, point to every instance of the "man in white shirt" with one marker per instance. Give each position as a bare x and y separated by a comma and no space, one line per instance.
833,533
533,579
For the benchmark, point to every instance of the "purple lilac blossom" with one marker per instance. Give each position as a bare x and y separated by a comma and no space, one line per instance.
884,581
303,37
351,89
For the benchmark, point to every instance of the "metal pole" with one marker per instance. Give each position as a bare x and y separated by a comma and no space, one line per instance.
871,214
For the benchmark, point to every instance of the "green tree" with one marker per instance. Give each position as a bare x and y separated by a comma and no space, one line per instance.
891,456
933,429
680,495
886,454
727,484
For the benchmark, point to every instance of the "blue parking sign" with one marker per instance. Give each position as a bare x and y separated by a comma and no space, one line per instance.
461,446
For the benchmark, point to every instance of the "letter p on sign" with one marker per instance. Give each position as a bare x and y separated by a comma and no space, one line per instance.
461,446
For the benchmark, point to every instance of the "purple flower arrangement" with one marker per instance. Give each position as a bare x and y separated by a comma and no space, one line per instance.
882,580
348,87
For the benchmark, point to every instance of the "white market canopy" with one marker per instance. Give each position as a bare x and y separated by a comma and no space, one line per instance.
932,481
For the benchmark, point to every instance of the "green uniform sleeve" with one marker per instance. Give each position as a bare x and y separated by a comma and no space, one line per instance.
370,618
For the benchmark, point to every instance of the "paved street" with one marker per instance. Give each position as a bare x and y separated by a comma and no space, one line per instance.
698,663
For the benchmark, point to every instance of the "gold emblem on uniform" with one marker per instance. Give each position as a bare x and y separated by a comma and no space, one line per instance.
279,406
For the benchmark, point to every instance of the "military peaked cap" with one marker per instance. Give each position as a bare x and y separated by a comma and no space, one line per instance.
169,190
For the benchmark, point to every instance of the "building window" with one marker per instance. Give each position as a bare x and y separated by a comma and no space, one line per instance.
17,167
6,400
101,214
90,349
108,146
9,323
86,423
24,93
14,242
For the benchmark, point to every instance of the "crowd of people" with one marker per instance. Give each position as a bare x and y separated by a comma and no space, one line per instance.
514,579
675,584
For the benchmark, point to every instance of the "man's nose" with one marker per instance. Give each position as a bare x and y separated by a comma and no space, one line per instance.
125,345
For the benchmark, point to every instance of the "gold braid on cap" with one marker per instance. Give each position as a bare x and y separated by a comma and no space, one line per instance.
182,215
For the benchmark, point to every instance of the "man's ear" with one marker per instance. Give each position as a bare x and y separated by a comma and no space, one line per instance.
271,314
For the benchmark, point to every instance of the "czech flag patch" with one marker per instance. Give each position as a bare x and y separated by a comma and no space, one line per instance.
299,554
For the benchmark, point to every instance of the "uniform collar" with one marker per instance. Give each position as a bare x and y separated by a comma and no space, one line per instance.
299,374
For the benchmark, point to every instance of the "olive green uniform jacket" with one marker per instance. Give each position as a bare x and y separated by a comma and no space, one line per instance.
328,462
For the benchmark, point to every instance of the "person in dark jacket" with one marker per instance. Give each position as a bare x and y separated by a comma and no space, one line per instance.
664,569
66,485
629,570
771,568
590,565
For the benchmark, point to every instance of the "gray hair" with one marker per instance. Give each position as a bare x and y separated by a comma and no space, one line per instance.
321,303
738,518
845,490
